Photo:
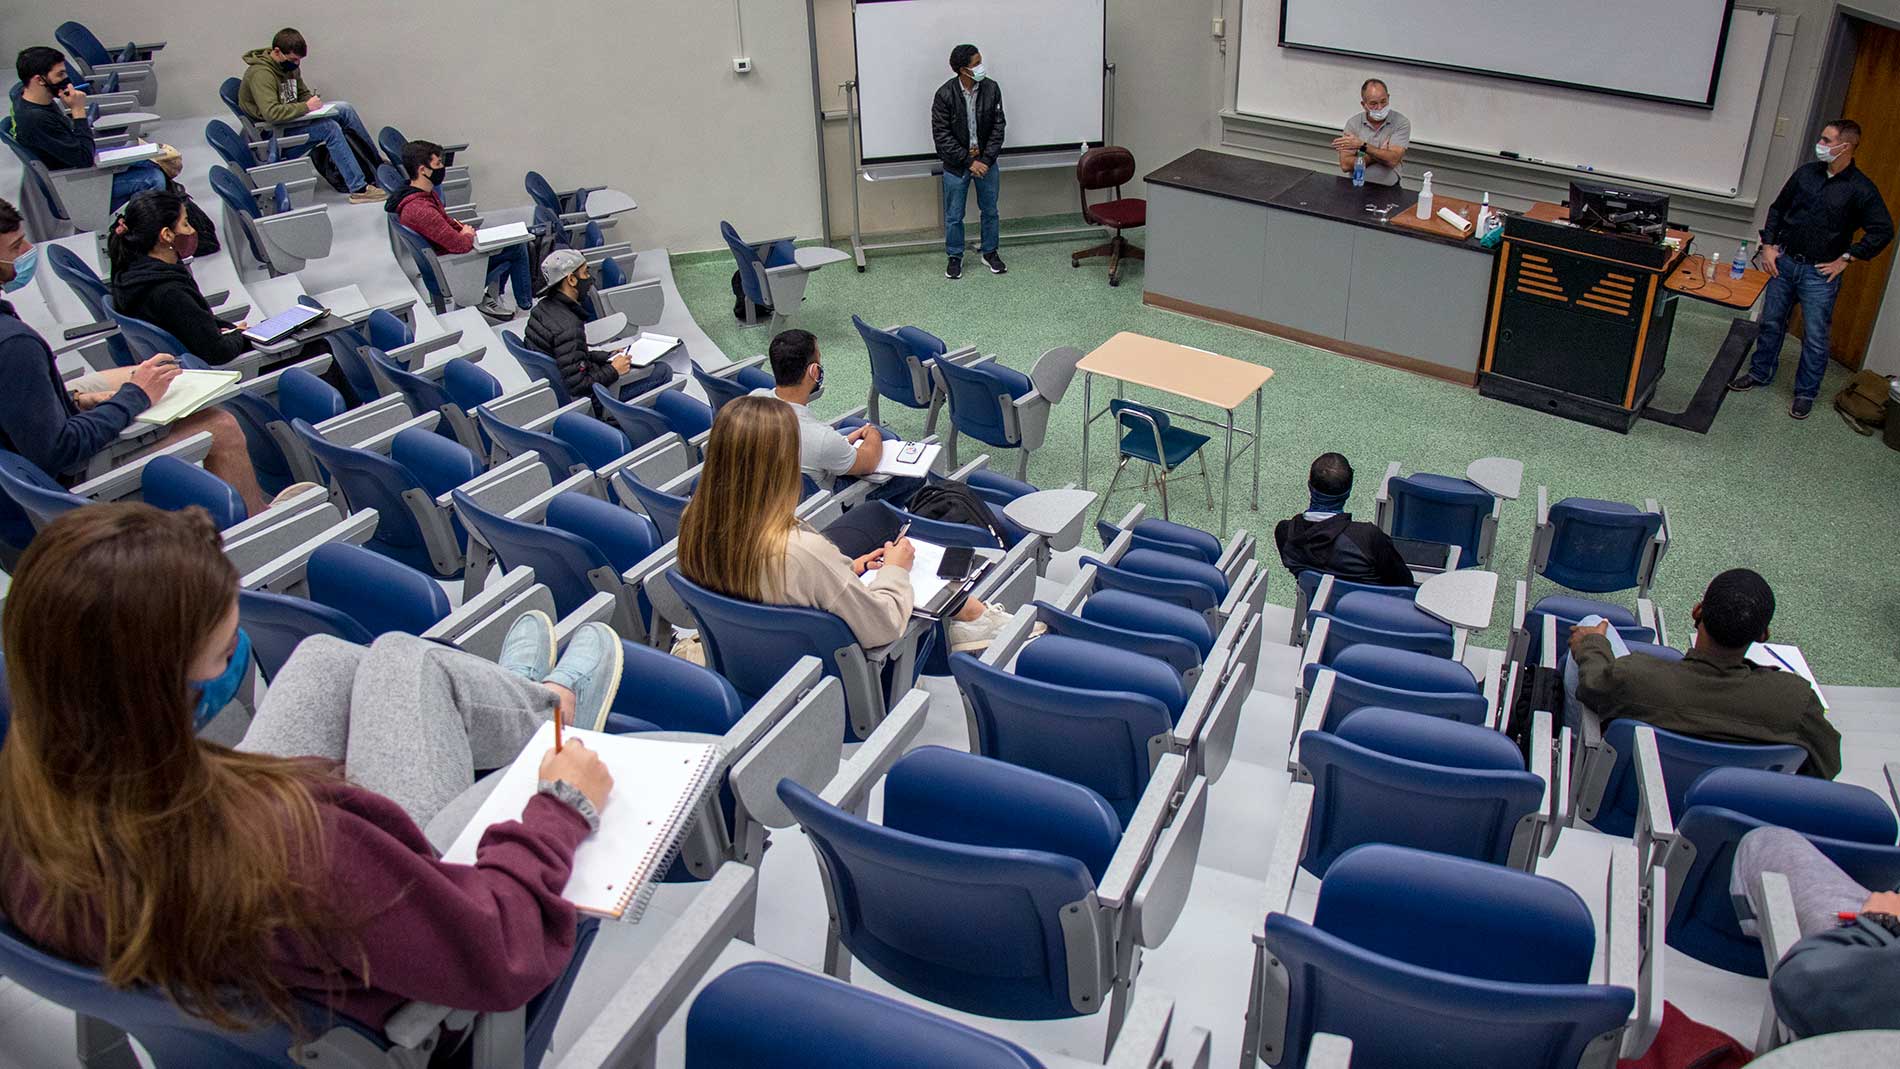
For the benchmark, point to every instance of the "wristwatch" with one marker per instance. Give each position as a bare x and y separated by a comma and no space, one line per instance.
1886,920
1847,257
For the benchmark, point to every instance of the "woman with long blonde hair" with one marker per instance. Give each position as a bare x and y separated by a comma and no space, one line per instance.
238,881
740,536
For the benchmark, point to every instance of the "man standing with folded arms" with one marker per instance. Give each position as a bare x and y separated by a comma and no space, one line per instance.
966,122
1807,243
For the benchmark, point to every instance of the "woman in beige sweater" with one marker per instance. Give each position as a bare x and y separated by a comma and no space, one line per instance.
740,536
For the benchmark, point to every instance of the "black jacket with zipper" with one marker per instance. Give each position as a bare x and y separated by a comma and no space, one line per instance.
557,327
950,126
166,296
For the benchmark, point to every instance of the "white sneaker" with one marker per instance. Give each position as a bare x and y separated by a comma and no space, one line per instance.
496,308
968,636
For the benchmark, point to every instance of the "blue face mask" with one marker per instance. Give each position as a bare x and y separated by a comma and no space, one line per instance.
820,383
214,694
1318,502
23,268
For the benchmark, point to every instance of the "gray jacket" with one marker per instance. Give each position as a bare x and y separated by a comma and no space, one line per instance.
1840,980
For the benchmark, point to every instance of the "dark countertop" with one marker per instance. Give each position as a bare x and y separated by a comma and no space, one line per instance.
1334,197
1222,174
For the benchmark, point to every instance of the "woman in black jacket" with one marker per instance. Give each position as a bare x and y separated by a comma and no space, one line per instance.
148,246
558,327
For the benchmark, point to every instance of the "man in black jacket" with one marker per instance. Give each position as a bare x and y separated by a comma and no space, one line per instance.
966,121
1325,538
557,326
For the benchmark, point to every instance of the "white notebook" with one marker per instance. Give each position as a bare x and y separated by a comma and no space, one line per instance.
658,786
327,111
1788,659
187,394
495,235
648,348
888,464
106,157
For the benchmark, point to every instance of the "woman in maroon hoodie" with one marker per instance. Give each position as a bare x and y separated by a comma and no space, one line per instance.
236,882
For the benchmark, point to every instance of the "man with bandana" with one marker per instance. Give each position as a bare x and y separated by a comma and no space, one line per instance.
1325,538
1376,132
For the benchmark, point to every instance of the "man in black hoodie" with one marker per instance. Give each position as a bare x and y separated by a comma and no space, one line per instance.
1325,538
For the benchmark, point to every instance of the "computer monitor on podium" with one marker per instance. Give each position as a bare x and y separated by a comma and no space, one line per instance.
1637,213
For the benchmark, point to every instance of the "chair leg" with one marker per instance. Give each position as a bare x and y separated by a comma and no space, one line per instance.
1115,261
870,406
1104,249
930,421
1110,492
951,446
1206,480
1022,465
1161,476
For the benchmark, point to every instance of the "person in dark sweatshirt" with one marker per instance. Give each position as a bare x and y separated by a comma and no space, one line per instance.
1325,538
273,90
237,879
148,247
61,426
558,328
417,207
49,120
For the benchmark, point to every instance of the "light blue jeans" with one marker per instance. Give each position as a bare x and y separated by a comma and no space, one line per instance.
956,193
1803,283
330,134
141,177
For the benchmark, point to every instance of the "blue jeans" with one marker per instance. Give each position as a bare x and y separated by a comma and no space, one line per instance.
512,263
330,134
1804,283
956,192
141,177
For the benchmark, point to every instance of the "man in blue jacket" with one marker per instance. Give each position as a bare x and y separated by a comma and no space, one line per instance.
61,426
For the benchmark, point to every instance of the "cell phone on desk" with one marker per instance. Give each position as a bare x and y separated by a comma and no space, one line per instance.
956,562
910,452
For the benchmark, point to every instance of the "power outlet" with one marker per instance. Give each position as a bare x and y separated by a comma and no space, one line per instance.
742,64
1220,26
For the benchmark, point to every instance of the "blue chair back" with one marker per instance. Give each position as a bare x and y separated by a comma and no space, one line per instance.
1441,508
1163,576
719,388
1138,439
47,193
420,254
1383,621
236,195
1165,536
561,559
390,141
301,395
171,484
79,41
746,260
1568,611
1684,759
664,509
423,393
147,340
973,392
597,442
381,594
891,355
638,422
255,417
675,694
36,498
228,91
542,193
768,1016
92,292
278,622
230,145
753,645
419,460
389,176
469,385
1101,736
1391,678
561,458
686,416
935,906
1309,580
1180,637
537,364
1388,776
1380,966
1849,825
1598,546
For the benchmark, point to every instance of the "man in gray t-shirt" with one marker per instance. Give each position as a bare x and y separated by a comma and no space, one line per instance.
1379,132
824,452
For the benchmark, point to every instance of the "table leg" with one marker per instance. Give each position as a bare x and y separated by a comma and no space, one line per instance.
1226,476
1256,447
1087,379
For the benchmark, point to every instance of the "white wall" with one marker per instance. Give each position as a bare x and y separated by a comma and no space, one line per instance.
640,95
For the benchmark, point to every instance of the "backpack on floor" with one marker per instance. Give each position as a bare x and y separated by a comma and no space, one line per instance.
366,161
1864,398
953,503
738,302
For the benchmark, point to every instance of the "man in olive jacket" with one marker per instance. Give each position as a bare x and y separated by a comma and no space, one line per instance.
274,91
966,122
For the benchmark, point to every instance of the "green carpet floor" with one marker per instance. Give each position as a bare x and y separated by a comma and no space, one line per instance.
1810,504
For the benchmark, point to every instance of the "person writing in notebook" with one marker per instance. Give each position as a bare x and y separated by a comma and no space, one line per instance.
1714,692
61,426
417,207
273,91
828,452
558,328
740,536
293,866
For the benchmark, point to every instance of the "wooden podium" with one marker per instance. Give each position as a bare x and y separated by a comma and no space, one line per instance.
1579,321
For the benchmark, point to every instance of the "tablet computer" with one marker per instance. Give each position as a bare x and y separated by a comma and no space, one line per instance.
284,323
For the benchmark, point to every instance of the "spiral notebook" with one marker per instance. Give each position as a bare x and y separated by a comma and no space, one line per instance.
658,786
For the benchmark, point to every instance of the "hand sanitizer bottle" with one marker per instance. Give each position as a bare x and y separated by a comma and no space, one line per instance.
1425,197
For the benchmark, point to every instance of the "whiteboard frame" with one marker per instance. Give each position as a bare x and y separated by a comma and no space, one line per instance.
874,162
1707,103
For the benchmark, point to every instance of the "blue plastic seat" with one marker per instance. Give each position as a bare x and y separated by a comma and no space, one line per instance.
766,1016
1370,675
537,364
997,490
1381,620
574,442
167,483
402,488
425,394
147,340
978,395
1387,776
1166,577
1568,611
639,423
1422,959
901,360
1599,546
584,543
1684,759
1167,537
172,484
1169,633
92,292
1077,710
1150,436
1443,509
662,508
721,389
355,594
957,897
686,416
753,262
1850,825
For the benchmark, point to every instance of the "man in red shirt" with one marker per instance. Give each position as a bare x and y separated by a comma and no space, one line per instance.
417,207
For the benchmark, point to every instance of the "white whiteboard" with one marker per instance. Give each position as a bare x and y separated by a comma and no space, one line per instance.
1666,144
1046,54
1664,49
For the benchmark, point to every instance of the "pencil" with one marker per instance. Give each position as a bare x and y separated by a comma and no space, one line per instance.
558,717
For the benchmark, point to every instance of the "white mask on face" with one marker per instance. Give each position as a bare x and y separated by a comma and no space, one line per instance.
1823,153
1378,114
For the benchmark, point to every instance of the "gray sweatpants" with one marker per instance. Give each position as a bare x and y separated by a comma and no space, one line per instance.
1821,890
409,719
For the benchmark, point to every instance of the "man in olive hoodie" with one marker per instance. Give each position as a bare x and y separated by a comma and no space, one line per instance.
275,92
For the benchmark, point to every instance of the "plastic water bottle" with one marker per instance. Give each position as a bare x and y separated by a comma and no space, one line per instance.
1482,225
1358,169
1739,266
1425,197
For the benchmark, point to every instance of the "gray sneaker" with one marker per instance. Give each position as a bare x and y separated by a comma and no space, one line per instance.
529,651
591,669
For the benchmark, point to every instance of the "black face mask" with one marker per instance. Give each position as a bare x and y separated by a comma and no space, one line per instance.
437,174
56,88
583,287
288,66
